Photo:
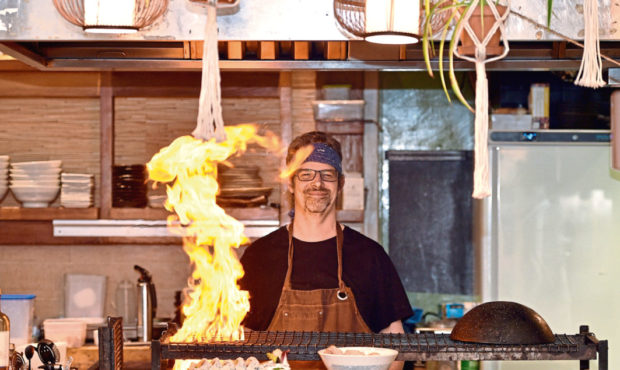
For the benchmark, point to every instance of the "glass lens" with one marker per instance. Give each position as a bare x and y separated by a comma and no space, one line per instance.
329,175
306,175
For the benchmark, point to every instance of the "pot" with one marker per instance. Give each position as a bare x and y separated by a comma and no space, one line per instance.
502,322
494,47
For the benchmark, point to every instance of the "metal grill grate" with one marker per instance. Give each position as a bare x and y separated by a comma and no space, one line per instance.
427,346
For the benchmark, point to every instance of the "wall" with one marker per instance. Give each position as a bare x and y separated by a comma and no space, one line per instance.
38,123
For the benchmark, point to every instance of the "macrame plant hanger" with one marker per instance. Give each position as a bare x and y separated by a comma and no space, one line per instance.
210,123
591,70
482,187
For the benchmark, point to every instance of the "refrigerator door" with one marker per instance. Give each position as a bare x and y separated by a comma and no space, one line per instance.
554,223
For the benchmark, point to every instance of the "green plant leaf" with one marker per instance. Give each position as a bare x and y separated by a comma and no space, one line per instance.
549,7
441,49
453,81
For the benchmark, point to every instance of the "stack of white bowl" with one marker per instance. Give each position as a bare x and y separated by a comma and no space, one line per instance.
76,190
35,184
4,174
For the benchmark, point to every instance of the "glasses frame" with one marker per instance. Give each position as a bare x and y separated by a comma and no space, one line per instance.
314,176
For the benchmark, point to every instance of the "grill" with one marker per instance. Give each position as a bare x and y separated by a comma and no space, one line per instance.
303,346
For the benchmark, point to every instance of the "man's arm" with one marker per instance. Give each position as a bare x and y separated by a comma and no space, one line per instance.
395,327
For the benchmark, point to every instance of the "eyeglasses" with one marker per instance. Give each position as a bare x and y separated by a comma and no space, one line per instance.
307,174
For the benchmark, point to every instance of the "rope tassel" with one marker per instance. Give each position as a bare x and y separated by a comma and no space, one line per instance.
210,121
481,126
591,69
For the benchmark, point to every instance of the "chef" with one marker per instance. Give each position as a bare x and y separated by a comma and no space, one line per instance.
316,274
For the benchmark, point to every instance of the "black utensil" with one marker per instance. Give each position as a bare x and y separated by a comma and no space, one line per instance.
29,353
48,353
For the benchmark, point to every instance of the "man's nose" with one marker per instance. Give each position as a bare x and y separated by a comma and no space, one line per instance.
317,179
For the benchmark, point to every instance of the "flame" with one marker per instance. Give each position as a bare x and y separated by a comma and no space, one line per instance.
298,159
216,305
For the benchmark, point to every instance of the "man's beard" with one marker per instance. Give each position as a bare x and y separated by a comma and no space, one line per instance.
317,203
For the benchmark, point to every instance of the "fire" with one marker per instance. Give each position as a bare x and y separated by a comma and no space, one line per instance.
298,159
216,305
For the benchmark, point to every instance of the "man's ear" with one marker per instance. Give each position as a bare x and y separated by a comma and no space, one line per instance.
290,185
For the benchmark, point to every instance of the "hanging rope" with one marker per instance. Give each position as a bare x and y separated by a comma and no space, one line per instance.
591,69
210,121
482,187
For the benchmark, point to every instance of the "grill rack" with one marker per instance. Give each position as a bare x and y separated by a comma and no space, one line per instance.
303,346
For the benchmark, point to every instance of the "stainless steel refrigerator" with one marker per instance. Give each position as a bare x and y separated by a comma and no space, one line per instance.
551,234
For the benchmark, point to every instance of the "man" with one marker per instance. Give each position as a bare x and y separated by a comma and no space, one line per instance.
314,274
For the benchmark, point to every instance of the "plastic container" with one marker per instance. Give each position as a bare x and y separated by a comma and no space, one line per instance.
126,303
338,110
20,310
70,331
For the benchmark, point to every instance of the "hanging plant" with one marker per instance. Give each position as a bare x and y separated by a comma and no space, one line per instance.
453,12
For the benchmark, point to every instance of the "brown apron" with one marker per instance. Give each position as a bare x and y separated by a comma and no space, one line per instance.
321,310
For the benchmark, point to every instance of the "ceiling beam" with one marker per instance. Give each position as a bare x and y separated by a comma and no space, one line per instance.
24,55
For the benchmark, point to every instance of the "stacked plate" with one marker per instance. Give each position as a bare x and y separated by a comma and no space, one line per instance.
76,190
4,175
129,186
241,186
35,184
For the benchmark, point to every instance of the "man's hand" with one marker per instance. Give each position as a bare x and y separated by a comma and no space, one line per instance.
395,327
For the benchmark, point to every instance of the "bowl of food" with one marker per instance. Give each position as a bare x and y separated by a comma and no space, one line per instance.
357,358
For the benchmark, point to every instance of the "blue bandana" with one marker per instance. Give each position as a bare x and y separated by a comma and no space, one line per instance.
324,153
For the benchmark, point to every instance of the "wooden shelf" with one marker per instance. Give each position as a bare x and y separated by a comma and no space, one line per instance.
254,213
43,214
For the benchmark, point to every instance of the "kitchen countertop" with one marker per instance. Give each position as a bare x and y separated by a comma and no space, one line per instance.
134,357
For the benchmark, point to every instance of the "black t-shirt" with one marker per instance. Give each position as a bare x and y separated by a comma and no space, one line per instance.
367,270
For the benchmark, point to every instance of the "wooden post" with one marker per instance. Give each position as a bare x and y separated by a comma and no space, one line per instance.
196,49
106,114
402,52
301,50
286,130
267,50
236,50
337,50
371,156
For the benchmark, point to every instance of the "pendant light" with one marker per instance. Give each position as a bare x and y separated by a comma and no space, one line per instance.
380,21
111,16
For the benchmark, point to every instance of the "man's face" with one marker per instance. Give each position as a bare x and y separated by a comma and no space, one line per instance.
316,195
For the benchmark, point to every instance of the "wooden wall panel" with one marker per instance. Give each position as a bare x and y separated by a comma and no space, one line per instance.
161,120
304,92
49,84
35,129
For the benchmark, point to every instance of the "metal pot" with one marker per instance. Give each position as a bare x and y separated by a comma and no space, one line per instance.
502,323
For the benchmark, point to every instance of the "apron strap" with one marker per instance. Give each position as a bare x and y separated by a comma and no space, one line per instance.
342,295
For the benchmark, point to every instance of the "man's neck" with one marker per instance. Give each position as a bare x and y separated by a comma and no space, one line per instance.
314,227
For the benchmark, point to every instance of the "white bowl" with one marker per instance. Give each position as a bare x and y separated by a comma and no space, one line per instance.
37,164
31,176
3,189
35,174
35,196
47,183
379,361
